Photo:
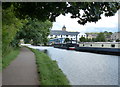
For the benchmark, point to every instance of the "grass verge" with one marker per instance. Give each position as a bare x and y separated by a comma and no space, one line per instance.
49,72
6,60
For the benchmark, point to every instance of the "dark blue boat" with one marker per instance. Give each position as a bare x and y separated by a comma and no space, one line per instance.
66,46
112,51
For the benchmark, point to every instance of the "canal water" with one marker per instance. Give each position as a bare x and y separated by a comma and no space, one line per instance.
82,68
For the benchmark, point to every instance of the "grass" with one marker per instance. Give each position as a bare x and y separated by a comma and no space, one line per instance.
6,60
49,72
0,55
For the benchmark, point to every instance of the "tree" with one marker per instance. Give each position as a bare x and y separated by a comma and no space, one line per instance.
10,26
91,11
82,39
100,37
93,39
107,35
67,39
88,40
15,15
36,31
117,40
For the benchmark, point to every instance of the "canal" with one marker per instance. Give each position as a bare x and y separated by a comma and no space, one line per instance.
82,68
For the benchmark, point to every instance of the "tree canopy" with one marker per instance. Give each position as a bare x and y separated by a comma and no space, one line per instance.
14,15
14,29
83,39
66,40
101,37
84,11
36,31
10,26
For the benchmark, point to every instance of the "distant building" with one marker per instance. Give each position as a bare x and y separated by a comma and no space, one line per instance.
91,35
115,36
65,34
108,38
64,28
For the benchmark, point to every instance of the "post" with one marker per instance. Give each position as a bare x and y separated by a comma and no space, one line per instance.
71,40
76,39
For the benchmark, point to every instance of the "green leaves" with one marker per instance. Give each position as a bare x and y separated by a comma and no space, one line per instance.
82,39
100,37
10,26
43,11
67,39
36,31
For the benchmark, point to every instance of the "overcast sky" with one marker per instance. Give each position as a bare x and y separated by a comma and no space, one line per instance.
109,24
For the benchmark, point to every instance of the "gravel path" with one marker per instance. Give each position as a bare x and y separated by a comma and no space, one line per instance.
21,71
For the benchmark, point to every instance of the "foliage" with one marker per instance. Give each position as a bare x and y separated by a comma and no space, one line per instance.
48,70
94,40
10,25
36,31
117,40
101,37
13,12
84,11
107,35
13,29
67,39
9,57
92,33
88,40
83,39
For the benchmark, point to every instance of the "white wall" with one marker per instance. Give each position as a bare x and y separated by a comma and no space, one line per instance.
99,44
80,35
69,36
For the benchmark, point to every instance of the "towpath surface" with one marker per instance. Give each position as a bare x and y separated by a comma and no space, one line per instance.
21,71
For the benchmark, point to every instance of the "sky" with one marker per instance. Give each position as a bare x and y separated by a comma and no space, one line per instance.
109,24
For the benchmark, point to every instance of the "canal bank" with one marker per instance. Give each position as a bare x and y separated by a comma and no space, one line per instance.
82,68
48,70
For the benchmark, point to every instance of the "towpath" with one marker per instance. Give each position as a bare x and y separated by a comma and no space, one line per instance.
21,71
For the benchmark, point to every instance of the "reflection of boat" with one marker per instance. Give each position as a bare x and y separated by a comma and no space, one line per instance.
68,46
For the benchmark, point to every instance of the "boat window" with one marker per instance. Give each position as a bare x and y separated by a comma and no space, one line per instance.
112,45
102,45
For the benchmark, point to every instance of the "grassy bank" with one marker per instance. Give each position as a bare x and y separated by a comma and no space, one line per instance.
6,60
49,72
